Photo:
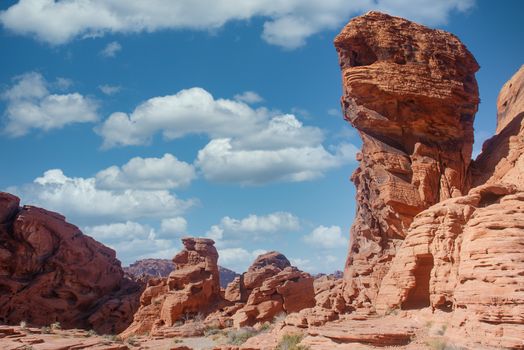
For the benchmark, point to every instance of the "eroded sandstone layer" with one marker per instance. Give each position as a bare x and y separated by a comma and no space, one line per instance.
51,272
465,254
411,93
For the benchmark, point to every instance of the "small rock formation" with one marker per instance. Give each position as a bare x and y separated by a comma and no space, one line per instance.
147,268
51,272
271,286
411,93
192,288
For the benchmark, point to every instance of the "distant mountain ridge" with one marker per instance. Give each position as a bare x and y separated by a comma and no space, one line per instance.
162,268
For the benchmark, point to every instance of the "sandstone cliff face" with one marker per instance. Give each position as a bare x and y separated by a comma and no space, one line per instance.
411,93
465,254
51,272
502,158
192,288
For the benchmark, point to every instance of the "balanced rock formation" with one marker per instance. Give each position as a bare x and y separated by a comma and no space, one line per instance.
192,288
51,272
411,93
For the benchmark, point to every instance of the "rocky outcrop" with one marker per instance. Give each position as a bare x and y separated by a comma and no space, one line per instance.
51,272
147,268
463,254
502,157
411,93
192,288
271,286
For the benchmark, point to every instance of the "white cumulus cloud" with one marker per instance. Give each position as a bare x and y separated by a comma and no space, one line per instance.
133,241
287,23
147,173
238,259
221,161
173,226
81,200
30,105
327,237
190,111
248,146
253,227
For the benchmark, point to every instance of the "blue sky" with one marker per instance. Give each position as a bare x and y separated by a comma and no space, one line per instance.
143,122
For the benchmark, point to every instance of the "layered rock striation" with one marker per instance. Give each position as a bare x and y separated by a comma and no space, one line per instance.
51,272
465,254
411,93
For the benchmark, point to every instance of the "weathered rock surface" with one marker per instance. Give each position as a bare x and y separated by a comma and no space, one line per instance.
18,338
271,286
147,268
51,272
465,254
411,93
502,157
192,288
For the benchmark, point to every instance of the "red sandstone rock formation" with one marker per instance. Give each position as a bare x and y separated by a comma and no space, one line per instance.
411,93
502,158
51,272
192,288
271,286
463,254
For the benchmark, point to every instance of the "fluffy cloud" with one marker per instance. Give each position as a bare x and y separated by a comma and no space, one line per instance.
191,111
133,241
173,226
327,237
147,173
81,199
238,259
111,49
288,23
220,161
262,146
30,105
252,227
110,89
250,97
